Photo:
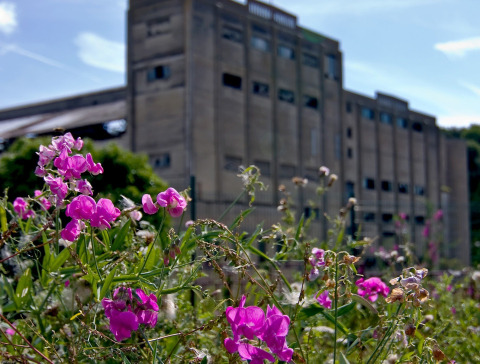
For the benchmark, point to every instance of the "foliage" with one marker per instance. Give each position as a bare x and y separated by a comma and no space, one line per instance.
70,301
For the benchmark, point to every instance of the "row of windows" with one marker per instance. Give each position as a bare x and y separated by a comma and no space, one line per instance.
263,89
369,184
387,218
385,118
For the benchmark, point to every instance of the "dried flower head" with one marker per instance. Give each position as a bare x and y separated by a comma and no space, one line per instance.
323,171
350,259
299,181
333,178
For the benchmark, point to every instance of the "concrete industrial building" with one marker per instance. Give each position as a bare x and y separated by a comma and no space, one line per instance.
215,84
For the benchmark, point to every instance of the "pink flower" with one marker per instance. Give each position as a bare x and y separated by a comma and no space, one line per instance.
136,215
72,231
81,207
83,186
67,283
64,142
371,287
70,167
147,308
189,223
324,300
93,168
20,206
274,333
57,186
314,273
106,213
426,231
454,310
78,144
403,216
40,171
45,156
438,215
122,324
449,288
172,201
43,201
10,331
148,206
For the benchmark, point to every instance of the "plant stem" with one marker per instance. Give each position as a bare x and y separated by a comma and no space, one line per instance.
153,244
336,310
231,205
150,346
94,255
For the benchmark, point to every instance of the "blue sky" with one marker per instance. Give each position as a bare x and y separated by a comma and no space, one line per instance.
425,51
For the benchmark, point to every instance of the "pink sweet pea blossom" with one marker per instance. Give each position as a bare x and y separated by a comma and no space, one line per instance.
370,288
106,213
10,331
45,156
274,333
147,309
324,300
81,207
189,223
136,215
57,186
93,168
172,201
72,231
20,206
66,142
438,215
43,201
67,283
70,167
316,260
40,171
148,206
78,144
83,186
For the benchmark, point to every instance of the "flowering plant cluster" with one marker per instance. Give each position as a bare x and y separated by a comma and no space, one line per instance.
89,279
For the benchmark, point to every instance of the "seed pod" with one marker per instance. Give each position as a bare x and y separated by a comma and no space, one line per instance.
330,283
166,260
410,330
172,253
177,249
438,355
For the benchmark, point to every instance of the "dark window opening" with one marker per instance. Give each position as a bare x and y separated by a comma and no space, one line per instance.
369,216
368,113
158,73
264,168
158,26
233,34
420,220
388,234
403,187
369,183
259,29
232,81
349,133
287,171
417,127
419,190
331,67
349,189
260,43
312,212
286,95
386,186
262,246
387,217
310,61
402,123
261,89
349,153
232,163
311,102
312,174
348,107
286,52
162,161
385,118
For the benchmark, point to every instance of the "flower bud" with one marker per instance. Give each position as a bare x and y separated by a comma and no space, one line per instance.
330,283
172,253
410,330
351,202
438,355
177,249
282,188
332,180
323,171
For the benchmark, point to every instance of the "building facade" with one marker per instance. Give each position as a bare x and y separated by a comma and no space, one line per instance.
215,84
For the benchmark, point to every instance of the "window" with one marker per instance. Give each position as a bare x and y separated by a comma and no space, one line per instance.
349,133
286,52
158,26
387,186
310,101
312,212
369,216
233,34
259,29
369,183
348,107
417,127
349,189
420,220
158,73
260,43
312,174
349,153
162,161
262,246
402,123
387,218
310,61
385,118
264,167
232,81
261,89
419,190
232,163
287,171
403,187
331,67
286,95
388,234
368,113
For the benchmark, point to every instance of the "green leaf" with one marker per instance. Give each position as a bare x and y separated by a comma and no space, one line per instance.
27,226
153,257
257,232
344,309
343,360
259,253
3,219
299,228
107,282
315,309
124,358
59,260
204,360
106,239
240,217
364,302
340,236
121,235
10,292
24,285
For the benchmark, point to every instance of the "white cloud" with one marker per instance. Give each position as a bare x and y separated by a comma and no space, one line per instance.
459,48
458,120
8,17
100,52
469,86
